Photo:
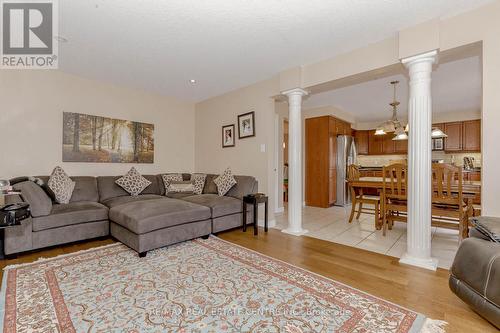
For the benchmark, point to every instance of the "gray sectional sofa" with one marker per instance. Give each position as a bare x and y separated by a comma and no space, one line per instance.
99,207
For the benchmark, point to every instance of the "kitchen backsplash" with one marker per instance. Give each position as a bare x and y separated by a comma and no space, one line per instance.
381,160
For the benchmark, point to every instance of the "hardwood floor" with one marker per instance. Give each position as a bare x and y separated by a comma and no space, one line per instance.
417,289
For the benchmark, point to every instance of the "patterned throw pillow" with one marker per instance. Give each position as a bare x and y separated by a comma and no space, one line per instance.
225,182
180,186
62,186
171,177
133,182
198,180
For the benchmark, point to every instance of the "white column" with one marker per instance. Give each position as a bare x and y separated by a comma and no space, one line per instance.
295,161
419,162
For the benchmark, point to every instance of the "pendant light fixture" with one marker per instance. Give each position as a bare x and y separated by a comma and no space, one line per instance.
437,133
393,125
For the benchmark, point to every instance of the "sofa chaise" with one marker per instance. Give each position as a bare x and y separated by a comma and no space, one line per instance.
99,207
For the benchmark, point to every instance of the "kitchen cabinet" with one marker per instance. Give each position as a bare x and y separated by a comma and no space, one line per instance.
321,159
471,135
401,147
388,144
361,139
375,143
454,140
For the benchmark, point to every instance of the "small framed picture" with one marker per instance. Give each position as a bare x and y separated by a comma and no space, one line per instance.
246,125
228,136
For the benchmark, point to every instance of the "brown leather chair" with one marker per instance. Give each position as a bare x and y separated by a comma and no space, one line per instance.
475,273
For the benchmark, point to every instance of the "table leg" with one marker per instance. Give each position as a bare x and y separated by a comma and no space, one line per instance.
255,218
265,216
244,217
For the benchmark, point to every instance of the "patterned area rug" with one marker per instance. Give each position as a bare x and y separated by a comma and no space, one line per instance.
197,286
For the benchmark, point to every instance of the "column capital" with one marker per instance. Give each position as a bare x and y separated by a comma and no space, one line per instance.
431,57
295,91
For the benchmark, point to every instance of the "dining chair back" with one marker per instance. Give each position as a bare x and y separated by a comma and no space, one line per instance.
449,207
394,199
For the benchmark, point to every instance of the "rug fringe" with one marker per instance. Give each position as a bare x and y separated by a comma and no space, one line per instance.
433,326
40,259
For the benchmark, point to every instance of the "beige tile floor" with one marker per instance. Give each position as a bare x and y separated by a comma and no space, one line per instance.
332,224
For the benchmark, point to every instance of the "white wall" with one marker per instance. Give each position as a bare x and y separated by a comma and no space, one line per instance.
31,117
246,158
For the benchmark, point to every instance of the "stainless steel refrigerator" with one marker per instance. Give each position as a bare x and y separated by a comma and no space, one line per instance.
346,155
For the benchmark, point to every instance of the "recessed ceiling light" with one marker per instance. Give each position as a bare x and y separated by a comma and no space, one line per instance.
61,39
192,81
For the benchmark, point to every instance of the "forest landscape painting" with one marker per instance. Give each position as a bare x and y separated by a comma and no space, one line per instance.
88,138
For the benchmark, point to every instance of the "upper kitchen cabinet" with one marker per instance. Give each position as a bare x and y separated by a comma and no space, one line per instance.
463,136
388,145
361,139
455,136
471,135
375,143
401,147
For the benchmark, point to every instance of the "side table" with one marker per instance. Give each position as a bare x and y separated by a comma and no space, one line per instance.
11,214
255,200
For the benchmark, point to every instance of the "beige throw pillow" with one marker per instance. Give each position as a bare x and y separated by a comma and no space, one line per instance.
198,180
180,186
225,182
133,182
171,177
62,186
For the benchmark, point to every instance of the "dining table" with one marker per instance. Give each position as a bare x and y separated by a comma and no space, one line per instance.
471,189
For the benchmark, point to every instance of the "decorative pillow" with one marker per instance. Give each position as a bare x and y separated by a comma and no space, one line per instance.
180,186
225,182
171,177
62,186
198,180
133,182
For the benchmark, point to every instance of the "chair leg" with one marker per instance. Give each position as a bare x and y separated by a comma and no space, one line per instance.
377,216
384,222
353,209
359,210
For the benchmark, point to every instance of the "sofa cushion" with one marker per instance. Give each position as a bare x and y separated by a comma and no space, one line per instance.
113,202
72,213
220,206
210,187
40,203
244,185
85,188
144,216
109,189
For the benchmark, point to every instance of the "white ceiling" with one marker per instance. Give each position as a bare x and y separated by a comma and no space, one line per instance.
456,86
159,45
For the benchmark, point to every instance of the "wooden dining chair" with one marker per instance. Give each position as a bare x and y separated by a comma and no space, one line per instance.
394,199
449,207
359,198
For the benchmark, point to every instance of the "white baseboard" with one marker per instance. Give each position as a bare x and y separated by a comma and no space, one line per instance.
270,223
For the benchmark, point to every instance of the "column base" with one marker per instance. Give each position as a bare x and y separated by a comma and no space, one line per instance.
299,232
430,263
